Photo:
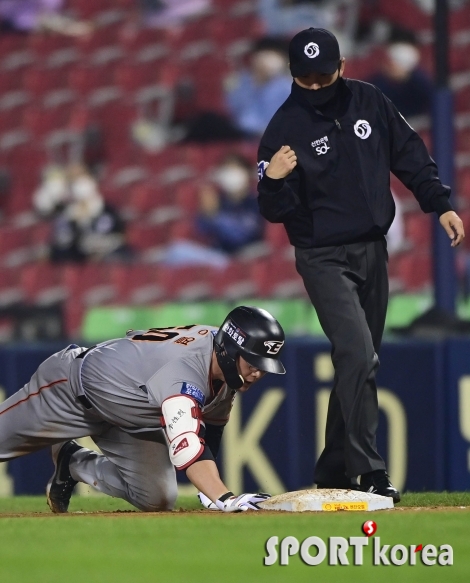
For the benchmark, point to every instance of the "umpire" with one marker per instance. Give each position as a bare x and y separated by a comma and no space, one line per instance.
324,164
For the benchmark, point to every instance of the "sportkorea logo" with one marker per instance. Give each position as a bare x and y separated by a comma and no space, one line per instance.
274,346
312,50
362,129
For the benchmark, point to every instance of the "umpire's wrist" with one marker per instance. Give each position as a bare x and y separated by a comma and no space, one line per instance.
272,184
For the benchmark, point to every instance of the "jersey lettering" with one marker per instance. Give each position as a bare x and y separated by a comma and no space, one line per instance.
161,334
184,340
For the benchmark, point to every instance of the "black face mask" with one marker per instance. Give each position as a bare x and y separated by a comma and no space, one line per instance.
319,97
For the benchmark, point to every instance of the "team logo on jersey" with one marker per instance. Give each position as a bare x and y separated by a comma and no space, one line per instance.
362,129
262,168
312,50
274,346
321,146
194,392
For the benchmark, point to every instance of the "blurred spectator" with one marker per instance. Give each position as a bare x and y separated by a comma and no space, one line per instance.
287,17
252,97
401,79
229,217
35,15
170,13
84,227
254,94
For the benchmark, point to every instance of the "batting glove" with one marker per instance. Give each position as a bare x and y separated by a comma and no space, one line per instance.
231,503
206,502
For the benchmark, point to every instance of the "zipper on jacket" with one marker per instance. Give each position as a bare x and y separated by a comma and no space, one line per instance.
338,125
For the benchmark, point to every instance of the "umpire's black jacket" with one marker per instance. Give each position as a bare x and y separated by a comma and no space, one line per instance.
339,192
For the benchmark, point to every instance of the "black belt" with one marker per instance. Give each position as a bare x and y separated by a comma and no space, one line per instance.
82,399
85,352
85,402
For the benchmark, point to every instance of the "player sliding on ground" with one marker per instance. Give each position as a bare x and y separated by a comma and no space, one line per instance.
153,401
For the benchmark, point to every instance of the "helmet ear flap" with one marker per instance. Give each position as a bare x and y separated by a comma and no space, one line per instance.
228,365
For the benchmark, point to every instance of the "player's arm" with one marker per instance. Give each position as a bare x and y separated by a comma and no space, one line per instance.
181,420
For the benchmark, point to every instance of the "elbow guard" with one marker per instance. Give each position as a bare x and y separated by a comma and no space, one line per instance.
181,419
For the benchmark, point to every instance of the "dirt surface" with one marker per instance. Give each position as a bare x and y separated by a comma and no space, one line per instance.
182,512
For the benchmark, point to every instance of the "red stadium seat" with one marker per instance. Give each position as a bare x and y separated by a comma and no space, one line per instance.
185,283
143,198
232,283
88,284
84,9
276,237
186,196
141,236
41,284
40,80
414,270
462,99
11,292
15,248
276,278
136,284
418,229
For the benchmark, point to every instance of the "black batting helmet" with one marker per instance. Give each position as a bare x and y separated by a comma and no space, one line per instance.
253,334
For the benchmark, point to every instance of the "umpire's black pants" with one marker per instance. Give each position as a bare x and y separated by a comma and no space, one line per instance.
348,286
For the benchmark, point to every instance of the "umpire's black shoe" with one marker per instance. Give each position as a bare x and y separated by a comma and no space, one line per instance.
378,482
60,486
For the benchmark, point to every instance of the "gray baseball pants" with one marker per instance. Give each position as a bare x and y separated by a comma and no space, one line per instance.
46,411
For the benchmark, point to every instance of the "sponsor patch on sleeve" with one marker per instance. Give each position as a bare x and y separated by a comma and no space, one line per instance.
194,392
262,168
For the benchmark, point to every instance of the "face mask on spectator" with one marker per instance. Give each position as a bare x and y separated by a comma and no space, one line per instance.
268,64
404,56
232,179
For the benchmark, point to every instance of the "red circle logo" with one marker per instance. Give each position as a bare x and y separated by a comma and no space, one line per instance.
369,528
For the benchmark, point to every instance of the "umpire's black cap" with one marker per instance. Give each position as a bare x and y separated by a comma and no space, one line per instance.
314,50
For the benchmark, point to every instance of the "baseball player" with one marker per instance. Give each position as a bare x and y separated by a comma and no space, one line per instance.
152,401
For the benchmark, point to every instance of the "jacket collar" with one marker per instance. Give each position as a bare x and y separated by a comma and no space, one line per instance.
337,107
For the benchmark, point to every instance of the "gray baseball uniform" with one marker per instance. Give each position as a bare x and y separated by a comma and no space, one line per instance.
113,392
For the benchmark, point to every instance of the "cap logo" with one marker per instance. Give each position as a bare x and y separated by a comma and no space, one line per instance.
312,50
362,129
274,346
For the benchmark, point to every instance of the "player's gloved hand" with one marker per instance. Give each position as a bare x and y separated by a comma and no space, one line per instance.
206,502
231,503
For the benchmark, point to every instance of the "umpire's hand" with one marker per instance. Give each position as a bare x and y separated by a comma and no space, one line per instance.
282,163
453,227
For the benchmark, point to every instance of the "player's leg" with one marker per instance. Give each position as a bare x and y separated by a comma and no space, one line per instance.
332,277
44,411
137,470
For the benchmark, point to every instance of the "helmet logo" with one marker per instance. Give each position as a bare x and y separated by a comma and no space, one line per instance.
274,346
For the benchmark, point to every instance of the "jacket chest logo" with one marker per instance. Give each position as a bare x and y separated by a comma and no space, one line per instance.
321,146
362,129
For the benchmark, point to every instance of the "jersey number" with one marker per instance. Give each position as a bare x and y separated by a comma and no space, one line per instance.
161,334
